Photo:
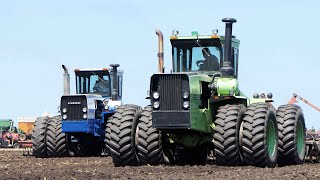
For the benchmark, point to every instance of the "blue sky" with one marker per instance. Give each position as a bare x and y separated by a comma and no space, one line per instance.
278,50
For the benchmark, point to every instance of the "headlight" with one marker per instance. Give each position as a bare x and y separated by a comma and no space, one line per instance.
185,95
85,116
64,116
186,104
84,109
64,110
156,105
155,95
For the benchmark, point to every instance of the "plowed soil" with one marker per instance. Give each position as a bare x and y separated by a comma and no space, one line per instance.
15,166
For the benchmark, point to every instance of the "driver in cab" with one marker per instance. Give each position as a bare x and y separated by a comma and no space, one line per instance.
210,62
101,86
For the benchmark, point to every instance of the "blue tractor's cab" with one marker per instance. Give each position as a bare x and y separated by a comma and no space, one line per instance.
84,115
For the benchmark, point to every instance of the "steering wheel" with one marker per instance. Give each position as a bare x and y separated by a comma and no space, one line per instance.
200,63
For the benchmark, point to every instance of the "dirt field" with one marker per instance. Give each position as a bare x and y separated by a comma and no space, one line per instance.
15,166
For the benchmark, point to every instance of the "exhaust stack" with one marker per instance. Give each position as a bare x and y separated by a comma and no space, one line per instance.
227,70
160,51
115,81
66,81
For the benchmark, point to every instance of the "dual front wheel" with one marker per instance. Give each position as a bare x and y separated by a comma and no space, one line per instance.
259,136
132,139
48,139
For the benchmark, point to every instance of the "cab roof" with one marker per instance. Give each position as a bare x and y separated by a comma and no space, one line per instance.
97,70
235,42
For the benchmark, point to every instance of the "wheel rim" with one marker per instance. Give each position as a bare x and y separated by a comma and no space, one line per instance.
271,138
300,138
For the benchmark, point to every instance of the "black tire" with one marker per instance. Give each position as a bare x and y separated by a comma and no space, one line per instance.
61,140
149,144
291,132
260,137
56,139
122,137
51,138
39,137
226,135
108,138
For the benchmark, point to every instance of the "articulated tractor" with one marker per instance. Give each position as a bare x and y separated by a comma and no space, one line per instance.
80,129
198,112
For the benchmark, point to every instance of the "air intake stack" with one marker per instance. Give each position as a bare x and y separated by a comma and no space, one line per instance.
227,70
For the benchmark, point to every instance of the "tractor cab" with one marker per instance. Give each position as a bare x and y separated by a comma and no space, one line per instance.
201,53
97,81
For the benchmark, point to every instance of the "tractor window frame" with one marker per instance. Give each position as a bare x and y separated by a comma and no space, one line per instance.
182,53
83,82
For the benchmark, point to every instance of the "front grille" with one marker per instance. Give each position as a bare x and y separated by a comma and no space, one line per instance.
170,88
74,105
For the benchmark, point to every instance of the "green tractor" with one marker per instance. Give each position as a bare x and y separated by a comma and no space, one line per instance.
198,111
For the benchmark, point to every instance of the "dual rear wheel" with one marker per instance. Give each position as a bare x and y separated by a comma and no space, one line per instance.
259,136
260,139
291,131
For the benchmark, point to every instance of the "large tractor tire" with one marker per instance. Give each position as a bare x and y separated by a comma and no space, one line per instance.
39,137
291,132
51,137
123,132
61,140
56,139
226,135
260,136
149,145
108,138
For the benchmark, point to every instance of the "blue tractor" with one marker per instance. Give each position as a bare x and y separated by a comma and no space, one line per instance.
80,130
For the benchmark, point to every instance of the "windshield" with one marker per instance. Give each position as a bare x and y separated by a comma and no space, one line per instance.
93,82
196,55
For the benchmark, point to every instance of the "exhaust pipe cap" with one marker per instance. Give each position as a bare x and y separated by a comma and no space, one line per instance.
229,20
114,65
